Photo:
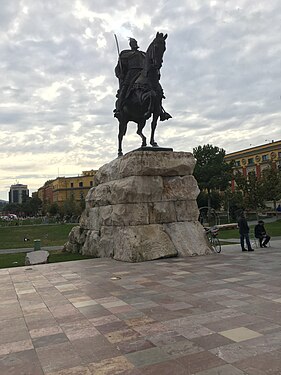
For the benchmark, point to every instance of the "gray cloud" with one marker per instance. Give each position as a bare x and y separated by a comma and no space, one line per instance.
220,75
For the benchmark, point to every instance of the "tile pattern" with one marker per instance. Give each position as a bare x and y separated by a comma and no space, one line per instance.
218,314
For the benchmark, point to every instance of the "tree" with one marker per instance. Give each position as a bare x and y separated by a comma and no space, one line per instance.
271,184
211,170
233,203
251,187
71,209
202,199
53,209
31,206
12,208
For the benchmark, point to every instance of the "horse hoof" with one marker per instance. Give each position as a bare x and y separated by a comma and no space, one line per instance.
154,144
120,153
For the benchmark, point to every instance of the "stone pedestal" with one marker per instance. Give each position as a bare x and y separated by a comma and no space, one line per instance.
142,207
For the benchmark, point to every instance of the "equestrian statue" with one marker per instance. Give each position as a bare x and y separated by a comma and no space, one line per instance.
140,93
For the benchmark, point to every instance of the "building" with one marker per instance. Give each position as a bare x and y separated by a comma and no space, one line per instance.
18,193
255,159
64,188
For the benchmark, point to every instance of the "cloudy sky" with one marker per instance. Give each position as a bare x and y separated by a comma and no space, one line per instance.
221,77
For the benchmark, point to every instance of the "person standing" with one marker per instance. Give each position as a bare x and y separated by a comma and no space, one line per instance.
261,234
244,233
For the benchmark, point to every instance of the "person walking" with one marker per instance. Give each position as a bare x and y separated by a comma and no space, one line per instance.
244,233
261,234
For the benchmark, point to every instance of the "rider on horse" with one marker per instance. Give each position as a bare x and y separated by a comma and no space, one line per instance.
128,69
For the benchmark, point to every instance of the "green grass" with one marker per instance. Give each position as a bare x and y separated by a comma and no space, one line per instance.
18,259
273,229
50,235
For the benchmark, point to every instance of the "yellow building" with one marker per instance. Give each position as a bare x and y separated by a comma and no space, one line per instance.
255,159
64,188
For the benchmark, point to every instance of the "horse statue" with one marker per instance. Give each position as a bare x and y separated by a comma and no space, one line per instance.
144,95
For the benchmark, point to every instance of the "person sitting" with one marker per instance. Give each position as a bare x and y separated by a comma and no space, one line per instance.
261,234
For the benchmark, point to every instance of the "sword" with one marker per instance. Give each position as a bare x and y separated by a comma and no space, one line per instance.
118,51
117,45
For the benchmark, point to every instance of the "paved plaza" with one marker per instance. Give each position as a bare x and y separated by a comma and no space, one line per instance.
210,315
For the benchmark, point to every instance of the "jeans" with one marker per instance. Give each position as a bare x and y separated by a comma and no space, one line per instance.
244,237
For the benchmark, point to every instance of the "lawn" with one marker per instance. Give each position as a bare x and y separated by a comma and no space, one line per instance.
11,237
17,260
273,229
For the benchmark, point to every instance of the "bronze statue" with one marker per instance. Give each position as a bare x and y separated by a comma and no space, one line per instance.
127,70
140,93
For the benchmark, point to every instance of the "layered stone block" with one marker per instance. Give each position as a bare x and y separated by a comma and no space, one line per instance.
142,207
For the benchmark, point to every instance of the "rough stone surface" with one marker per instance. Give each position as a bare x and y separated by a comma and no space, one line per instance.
142,207
147,163
36,257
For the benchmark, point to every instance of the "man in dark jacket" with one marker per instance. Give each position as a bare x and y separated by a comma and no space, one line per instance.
261,234
244,233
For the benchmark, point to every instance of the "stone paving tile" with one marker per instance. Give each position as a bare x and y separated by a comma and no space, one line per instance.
24,362
199,361
13,330
211,341
49,340
57,357
14,347
215,315
232,353
268,363
90,302
111,327
78,370
135,345
95,311
181,348
240,334
122,335
104,320
111,366
79,329
164,368
147,357
222,370
47,331
95,349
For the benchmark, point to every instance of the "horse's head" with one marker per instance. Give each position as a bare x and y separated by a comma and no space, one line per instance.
156,50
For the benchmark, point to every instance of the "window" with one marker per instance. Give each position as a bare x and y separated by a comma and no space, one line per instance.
265,157
91,183
251,161
71,185
237,163
81,184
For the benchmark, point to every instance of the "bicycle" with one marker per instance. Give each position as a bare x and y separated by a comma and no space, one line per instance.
212,236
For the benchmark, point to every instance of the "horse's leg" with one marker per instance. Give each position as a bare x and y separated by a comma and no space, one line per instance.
153,127
151,99
122,132
141,125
